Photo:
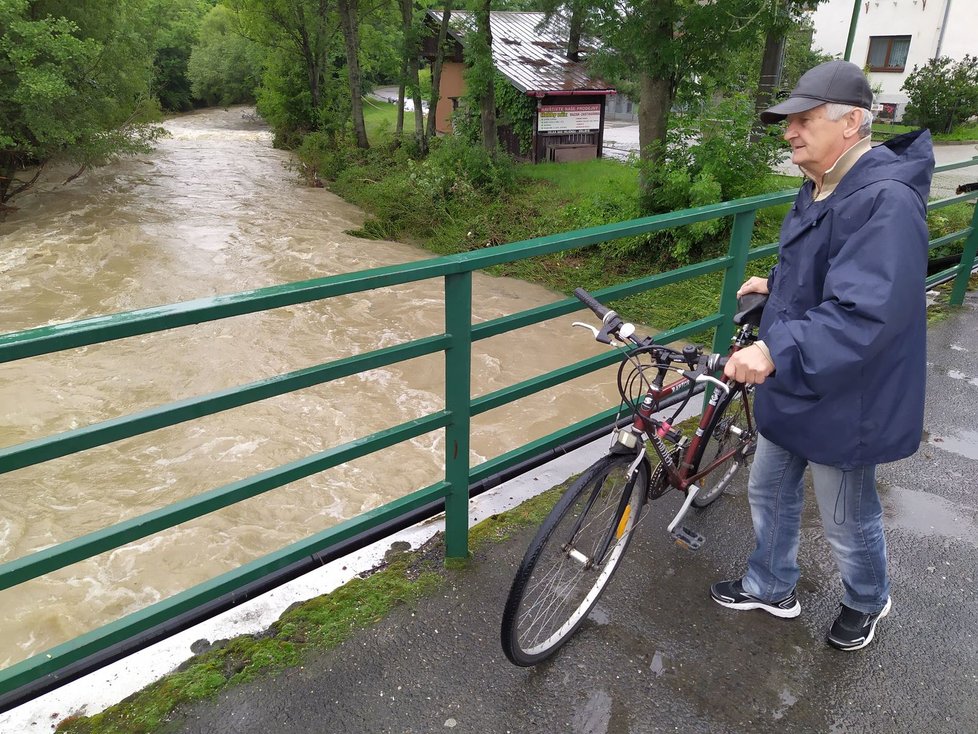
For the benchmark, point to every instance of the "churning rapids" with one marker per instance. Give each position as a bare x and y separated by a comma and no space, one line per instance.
215,210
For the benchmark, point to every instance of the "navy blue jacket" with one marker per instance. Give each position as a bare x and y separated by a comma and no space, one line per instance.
846,319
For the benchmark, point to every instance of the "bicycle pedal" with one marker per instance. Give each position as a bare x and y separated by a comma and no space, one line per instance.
688,539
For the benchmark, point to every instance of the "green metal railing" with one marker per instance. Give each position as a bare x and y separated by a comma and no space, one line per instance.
460,406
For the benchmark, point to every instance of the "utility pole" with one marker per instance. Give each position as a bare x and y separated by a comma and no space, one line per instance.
852,28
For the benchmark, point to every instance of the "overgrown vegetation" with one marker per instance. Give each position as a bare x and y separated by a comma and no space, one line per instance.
943,93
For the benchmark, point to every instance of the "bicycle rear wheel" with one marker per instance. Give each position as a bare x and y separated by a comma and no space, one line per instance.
729,429
572,558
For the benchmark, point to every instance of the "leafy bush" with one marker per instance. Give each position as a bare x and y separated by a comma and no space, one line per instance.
942,93
709,158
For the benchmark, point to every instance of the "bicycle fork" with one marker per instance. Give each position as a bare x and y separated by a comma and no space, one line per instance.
622,513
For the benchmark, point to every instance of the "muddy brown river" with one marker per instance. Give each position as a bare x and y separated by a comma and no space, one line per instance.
215,210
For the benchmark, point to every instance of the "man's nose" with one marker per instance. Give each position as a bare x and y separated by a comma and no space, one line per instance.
790,131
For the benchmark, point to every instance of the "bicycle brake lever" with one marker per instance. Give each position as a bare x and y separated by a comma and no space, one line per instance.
592,329
700,377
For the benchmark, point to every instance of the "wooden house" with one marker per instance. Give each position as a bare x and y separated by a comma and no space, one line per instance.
528,51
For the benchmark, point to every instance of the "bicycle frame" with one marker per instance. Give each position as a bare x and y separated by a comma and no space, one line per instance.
680,476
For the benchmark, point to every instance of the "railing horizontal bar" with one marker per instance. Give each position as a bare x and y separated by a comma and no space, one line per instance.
543,313
659,280
512,393
763,251
132,624
99,434
959,164
493,466
56,337
72,551
943,275
951,200
949,238
603,420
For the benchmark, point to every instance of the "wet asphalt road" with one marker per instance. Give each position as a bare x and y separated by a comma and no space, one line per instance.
658,654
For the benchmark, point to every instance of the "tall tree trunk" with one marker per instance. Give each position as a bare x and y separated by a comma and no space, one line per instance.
770,77
399,129
351,36
436,70
486,74
576,25
655,100
412,80
657,81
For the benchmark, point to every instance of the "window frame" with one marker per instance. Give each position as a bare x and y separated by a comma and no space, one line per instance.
888,40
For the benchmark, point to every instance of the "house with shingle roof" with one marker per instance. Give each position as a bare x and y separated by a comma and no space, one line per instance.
528,51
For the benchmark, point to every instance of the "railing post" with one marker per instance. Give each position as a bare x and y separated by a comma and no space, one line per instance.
458,371
967,260
733,277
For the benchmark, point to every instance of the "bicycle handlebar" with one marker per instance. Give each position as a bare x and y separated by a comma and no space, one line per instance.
612,323
592,303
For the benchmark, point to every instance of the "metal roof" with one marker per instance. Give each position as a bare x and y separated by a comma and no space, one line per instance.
529,51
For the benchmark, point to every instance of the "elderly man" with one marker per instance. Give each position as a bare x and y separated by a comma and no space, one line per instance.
839,367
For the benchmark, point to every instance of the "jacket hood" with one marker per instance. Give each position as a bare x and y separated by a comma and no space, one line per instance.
907,158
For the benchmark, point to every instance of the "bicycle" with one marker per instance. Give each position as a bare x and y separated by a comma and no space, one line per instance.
580,544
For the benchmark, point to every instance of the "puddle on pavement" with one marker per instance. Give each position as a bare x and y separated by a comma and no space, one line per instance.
600,616
594,715
962,442
788,699
958,375
929,515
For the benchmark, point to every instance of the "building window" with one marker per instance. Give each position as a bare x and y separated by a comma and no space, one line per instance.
888,53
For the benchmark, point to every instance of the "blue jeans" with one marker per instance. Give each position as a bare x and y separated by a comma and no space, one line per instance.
851,515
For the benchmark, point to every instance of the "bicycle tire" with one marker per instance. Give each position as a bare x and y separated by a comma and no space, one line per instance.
554,591
719,438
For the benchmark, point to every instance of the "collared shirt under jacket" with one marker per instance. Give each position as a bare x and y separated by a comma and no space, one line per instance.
846,319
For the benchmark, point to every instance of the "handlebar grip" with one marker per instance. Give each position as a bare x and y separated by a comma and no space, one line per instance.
717,362
588,300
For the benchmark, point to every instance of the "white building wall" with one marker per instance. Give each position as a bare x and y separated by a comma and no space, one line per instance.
922,20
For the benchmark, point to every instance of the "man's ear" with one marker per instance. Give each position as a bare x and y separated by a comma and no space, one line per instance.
853,120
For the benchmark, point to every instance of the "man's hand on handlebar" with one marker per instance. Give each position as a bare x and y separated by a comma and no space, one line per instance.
749,365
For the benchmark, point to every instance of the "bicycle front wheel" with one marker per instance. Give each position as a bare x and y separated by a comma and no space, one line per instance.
729,429
572,558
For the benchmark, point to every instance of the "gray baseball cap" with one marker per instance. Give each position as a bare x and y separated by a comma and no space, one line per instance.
834,81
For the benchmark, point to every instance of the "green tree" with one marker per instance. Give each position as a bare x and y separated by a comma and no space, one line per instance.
224,67
350,22
663,45
480,75
176,24
943,93
74,84
302,37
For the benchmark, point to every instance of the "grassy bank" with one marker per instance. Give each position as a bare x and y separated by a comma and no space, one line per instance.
429,203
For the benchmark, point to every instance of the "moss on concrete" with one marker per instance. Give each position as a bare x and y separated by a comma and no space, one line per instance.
316,624
319,623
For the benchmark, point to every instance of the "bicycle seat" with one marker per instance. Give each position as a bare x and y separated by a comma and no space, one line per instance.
749,309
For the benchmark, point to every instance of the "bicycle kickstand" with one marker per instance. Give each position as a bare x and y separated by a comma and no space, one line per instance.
682,535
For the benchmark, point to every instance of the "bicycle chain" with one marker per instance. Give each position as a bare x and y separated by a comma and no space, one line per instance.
658,482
